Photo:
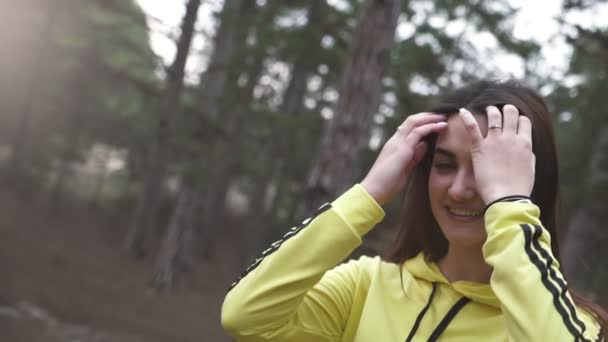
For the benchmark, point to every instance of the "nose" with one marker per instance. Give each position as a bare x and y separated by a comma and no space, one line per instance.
463,185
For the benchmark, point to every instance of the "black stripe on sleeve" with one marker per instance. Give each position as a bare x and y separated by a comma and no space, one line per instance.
561,283
275,245
534,258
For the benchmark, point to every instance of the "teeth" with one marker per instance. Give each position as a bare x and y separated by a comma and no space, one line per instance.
468,213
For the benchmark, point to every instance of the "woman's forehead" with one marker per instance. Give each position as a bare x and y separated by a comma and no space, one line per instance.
455,121
456,137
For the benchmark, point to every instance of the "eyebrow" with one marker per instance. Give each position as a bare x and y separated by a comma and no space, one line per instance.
445,153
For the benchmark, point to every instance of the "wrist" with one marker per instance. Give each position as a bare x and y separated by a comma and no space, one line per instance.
510,198
498,195
374,192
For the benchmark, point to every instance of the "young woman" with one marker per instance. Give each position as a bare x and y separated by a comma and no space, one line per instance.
476,258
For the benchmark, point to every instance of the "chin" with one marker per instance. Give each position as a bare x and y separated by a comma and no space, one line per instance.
466,240
468,235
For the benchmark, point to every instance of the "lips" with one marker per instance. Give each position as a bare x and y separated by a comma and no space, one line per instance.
464,213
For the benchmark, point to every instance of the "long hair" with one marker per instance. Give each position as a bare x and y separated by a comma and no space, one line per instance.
419,231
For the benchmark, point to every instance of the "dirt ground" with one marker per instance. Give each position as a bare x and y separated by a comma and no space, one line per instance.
73,268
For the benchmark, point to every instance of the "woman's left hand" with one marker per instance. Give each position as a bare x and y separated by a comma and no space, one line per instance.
503,161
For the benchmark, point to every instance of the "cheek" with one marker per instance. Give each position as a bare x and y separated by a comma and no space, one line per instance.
437,188
438,184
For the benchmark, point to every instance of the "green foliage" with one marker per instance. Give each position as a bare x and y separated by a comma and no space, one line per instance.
88,90
578,99
578,135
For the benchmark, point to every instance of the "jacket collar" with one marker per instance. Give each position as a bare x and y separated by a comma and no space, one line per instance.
427,270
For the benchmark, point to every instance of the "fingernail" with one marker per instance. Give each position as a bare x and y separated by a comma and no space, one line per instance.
463,111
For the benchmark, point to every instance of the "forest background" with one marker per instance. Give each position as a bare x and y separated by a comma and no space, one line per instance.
137,181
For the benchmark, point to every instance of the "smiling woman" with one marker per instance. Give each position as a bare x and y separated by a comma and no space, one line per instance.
455,204
476,258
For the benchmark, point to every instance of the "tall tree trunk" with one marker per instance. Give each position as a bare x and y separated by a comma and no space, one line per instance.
193,193
172,249
280,147
587,236
100,181
19,152
213,202
213,81
77,111
348,131
221,164
226,65
70,144
145,214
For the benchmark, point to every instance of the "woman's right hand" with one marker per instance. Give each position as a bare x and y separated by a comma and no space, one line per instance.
400,154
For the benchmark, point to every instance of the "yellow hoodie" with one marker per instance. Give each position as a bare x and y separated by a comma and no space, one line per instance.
295,292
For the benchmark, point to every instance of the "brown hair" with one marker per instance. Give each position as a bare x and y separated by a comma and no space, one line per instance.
419,232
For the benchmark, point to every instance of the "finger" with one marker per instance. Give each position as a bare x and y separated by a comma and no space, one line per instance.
420,132
510,115
419,119
419,152
471,126
494,120
524,129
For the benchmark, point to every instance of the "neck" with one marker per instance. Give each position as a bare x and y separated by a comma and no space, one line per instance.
465,263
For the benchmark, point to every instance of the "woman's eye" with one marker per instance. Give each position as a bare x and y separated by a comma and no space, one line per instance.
443,166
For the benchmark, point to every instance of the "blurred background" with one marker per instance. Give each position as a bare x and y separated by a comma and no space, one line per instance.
149,149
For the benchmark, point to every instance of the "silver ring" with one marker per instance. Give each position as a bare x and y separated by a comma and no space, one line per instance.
495,126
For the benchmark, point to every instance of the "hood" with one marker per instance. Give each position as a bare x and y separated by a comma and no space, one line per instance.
427,270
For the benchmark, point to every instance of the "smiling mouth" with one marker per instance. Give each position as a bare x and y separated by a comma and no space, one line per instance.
464,214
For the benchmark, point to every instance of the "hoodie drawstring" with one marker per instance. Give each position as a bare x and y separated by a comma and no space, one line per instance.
422,313
448,318
444,322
